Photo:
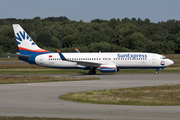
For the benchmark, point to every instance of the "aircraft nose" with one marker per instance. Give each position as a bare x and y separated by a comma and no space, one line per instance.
170,62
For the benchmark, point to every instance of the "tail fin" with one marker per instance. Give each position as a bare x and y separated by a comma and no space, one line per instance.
25,44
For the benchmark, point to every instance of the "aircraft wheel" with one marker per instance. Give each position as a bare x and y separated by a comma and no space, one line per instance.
90,72
94,72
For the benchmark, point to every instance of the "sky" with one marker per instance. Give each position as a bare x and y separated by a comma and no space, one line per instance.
87,10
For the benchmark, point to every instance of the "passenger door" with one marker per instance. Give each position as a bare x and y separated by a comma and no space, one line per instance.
153,59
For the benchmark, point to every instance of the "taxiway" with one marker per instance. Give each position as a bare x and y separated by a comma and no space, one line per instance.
41,99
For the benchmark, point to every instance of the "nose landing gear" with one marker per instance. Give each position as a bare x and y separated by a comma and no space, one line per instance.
158,70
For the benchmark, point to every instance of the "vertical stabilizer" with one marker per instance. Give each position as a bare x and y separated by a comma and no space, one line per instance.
25,44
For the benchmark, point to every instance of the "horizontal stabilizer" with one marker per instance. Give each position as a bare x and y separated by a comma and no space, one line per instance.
21,55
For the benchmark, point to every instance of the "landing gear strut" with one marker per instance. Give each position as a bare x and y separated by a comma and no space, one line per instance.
156,72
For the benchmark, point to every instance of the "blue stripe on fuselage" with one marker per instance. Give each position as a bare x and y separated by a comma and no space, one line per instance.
33,55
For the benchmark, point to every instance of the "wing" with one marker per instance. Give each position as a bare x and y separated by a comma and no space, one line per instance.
87,64
84,63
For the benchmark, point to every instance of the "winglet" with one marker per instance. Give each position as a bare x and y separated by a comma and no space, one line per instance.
77,51
58,51
61,55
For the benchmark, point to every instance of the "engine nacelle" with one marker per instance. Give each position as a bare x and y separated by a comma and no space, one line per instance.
108,68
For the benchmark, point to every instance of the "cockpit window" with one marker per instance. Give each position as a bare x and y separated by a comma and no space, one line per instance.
164,57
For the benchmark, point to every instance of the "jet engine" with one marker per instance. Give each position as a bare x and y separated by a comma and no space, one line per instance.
108,68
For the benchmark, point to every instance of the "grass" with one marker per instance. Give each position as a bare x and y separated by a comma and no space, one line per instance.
41,71
19,65
34,79
156,95
85,72
9,59
37,118
27,71
173,56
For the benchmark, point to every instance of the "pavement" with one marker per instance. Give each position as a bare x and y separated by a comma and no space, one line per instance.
41,99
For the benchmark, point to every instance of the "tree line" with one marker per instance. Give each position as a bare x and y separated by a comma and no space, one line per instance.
114,35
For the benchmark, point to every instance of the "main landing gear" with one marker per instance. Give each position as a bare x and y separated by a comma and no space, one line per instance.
91,72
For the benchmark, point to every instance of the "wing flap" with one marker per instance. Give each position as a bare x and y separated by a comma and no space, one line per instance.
87,64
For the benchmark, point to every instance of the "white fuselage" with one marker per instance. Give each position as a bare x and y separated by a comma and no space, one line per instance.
121,60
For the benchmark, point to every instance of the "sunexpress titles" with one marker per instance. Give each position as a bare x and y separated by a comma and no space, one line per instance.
131,55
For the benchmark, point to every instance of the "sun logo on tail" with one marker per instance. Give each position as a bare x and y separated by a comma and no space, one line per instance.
23,36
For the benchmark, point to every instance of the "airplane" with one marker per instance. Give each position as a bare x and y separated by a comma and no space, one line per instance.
103,61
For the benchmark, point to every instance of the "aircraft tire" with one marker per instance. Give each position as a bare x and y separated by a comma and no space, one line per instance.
90,72
93,72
